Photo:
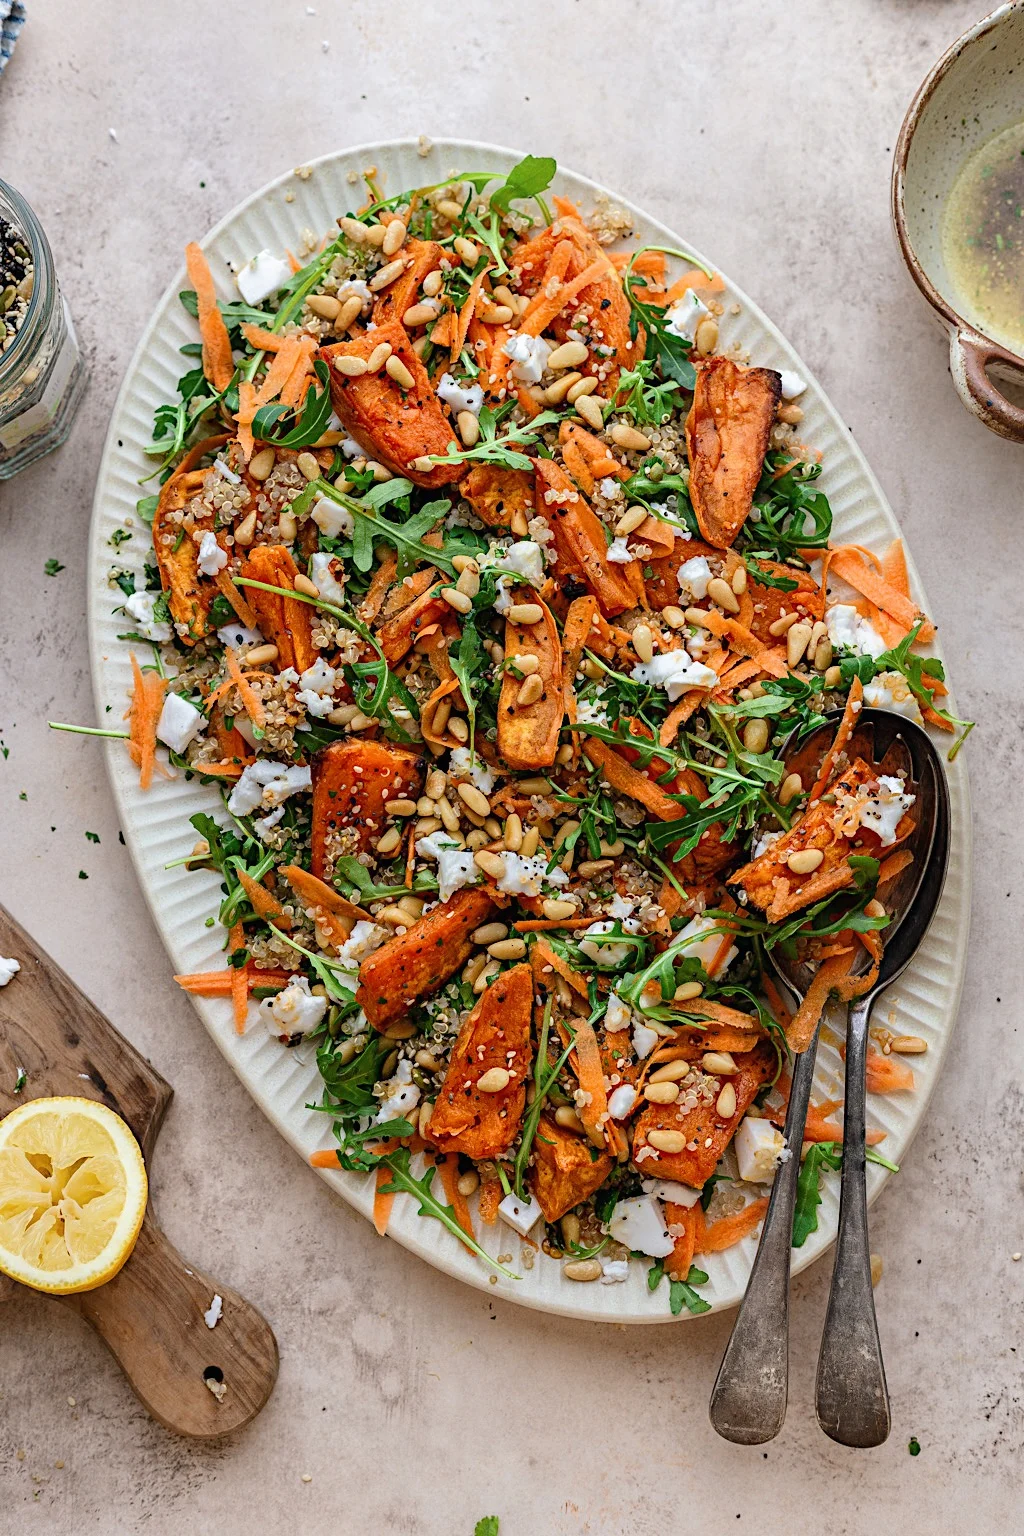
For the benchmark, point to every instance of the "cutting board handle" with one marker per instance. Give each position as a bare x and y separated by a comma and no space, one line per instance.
195,1379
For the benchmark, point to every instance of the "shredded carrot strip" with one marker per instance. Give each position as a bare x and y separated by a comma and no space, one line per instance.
894,567
279,372
678,1264
743,640
328,1158
732,1229
261,340
829,974
218,364
888,1074
292,389
847,726
239,980
528,403
538,320
857,574
775,1001
695,279
293,261
542,924
718,959
318,893
219,983
554,273
253,706
143,717
225,770
382,1203
448,1167
565,208
490,1199
237,601
576,464
590,1073
544,959
466,314
895,865
245,416
263,903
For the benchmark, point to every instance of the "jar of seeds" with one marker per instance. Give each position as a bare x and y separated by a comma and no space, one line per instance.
42,375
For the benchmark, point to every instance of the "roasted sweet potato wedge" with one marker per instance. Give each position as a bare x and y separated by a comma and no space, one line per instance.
417,962
727,434
580,541
772,886
528,733
565,1169
494,1037
189,595
394,425
706,1133
421,256
284,622
662,585
352,783
495,493
399,634
770,603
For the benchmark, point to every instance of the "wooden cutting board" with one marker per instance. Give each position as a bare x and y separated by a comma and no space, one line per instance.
151,1314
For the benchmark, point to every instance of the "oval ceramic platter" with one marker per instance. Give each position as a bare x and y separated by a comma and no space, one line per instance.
283,1082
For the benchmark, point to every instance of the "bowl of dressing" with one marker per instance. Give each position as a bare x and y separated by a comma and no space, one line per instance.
958,209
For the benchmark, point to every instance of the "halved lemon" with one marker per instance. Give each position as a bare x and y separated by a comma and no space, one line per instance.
73,1192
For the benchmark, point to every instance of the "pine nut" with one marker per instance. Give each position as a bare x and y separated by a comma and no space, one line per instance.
706,337
307,466
687,990
469,582
507,949
833,677
486,976
557,392
342,715
324,305
472,968
494,1080
782,624
791,414
468,1183
246,530
351,367
823,655
570,1225
530,692
354,229
525,613
796,643
467,252
420,345
401,807
565,831
448,814
504,295
612,850
569,1120
390,841
671,1072
908,1045
489,933
526,663
258,655
591,867
458,728
534,786
792,785
590,407
629,438
584,386
805,861
491,863
422,465
457,600
557,911
721,593
474,798
378,357
583,1269
399,372
630,521
739,580
755,735
513,833
465,563
449,209
349,313
726,1104
375,234
393,916
303,584
667,1141
520,525
876,1269
674,617
469,428
287,527
643,642
394,237
262,463
818,633
428,824
719,1063
531,838
386,276
419,314
432,284
569,355
661,1093
437,783
494,314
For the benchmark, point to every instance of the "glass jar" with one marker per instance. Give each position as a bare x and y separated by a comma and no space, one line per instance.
42,375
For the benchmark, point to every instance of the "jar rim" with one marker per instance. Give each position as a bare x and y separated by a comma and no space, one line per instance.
42,260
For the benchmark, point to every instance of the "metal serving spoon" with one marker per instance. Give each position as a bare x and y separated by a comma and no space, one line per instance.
748,1401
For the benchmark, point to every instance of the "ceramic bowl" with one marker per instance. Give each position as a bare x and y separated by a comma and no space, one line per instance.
974,91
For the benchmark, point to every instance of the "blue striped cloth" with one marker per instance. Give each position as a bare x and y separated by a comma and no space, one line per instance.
12,19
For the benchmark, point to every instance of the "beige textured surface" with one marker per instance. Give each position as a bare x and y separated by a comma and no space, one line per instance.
415,1405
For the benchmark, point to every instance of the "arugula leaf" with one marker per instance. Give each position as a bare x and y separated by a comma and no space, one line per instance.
468,660
648,403
488,1526
791,517
680,1292
531,176
492,449
350,1084
766,578
821,1155
146,509
403,1181
664,345
308,427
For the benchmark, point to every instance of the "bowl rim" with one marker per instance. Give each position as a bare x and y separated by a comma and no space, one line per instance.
911,121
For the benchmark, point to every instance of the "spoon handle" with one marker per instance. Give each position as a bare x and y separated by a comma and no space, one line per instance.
851,1397
748,1400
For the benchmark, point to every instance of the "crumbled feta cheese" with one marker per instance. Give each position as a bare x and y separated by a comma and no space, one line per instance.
362,941
263,275
878,807
236,635
639,1224
214,1312
684,316
849,632
357,286
529,356
890,690
763,842
675,671
670,1189
526,876
321,574
267,784
621,1101
180,722
333,520
617,1015
293,1010
350,448
463,765
644,1041
792,384
8,970
591,712
524,559
317,691
759,1147
211,557
621,908
226,473
610,488
618,552
694,946
614,1271
459,399
455,865
693,577
608,956
140,607
266,824
521,1215
502,596
403,1095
